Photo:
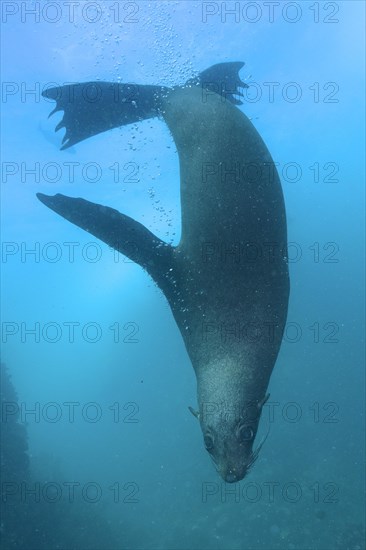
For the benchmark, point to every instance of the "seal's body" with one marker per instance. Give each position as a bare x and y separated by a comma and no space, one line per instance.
227,280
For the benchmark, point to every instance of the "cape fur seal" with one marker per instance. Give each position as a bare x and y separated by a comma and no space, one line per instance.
227,280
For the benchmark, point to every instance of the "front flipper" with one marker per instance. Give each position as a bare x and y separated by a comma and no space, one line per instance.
94,107
119,231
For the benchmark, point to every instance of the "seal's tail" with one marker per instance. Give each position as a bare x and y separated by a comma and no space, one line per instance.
94,107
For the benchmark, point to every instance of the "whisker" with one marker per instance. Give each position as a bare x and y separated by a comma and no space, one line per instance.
214,463
255,453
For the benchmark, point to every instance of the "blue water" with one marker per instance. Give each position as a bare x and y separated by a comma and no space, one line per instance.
105,368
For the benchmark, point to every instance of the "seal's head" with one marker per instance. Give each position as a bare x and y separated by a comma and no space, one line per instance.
229,438
230,446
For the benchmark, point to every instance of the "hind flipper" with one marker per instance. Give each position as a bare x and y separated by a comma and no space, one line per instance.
94,107
119,231
223,79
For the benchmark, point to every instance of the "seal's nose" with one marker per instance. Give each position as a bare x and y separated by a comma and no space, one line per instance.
231,477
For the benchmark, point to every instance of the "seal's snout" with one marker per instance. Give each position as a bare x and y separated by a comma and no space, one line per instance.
232,477
233,474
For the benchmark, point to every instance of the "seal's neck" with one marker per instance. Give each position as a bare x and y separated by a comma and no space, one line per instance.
227,384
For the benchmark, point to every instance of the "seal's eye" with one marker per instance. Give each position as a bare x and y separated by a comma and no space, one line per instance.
209,442
246,433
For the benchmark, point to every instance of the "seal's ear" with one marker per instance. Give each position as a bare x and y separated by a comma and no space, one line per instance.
263,401
195,413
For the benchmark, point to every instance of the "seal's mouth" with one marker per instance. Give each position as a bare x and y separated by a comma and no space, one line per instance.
233,474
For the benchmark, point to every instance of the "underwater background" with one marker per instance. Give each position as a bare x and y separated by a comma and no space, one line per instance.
99,450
